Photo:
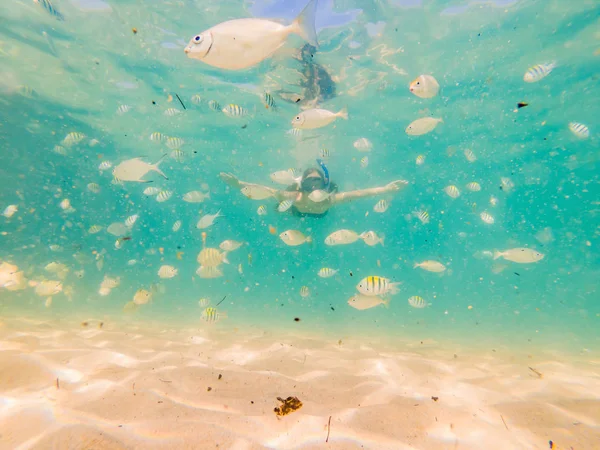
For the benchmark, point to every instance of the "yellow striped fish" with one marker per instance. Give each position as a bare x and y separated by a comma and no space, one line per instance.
73,138
158,137
212,315
175,142
579,130
452,191
538,72
233,110
474,186
326,272
374,285
417,302
262,210
163,196
214,105
423,216
304,291
420,160
268,100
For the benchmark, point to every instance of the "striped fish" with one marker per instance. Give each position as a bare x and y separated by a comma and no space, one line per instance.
122,109
285,205
176,226
233,110
73,138
452,191
262,210
172,112
417,302
420,160
374,285
214,105
212,315
196,99
49,7
175,142
177,155
268,100
474,186
579,130
158,137
163,196
304,291
60,150
326,272
423,216
538,72
324,153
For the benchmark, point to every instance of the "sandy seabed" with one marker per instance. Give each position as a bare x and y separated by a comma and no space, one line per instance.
73,385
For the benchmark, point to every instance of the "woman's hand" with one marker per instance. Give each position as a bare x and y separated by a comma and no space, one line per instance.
395,186
231,180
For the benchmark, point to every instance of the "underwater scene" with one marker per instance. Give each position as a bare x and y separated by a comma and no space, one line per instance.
300,224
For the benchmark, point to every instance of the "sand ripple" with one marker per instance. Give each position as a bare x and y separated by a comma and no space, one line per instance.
68,387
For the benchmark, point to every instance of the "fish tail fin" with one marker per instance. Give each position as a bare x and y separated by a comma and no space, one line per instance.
207,195
441,120
386,302
343,113
416,265
363,235
382,239
224,258
157,170
309,239
497,254
394,289
304,24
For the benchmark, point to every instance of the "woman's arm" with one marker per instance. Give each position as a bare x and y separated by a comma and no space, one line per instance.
345,197
237,184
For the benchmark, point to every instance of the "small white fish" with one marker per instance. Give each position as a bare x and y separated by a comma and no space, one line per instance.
422,126
362,302
452,191
474,186
167,271
324,153
487,217
506,184
579,130
142,297
364,162
132,262
317,118
55,247
381,206
94,229
261,210
420,160
135,169
256,192
208,220
470,155
110,283
374,285
195,197
172,112
176,226
104,165
233,110
295,132
242,43
65,204
326,272
363,145
122,109
319,196
371,238
10,211
93,187
520,255
493,201
417,302
174,142
204,302
424,86
538,72
130,221
152,190
230,245
163,196
286,177
304,291
342,237
196,99
294,238
431,266
285,205
240,269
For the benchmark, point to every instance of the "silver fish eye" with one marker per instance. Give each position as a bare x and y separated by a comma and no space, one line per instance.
197,39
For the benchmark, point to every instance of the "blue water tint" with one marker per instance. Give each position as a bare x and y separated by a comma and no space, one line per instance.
132,54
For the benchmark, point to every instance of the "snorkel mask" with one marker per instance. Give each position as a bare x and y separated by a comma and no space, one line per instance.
312,181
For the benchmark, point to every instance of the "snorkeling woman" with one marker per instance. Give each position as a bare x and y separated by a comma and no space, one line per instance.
314,195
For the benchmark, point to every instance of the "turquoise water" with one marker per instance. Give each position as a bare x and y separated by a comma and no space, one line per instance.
58,77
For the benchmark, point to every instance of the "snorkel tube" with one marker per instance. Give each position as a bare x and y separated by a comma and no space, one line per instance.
325,171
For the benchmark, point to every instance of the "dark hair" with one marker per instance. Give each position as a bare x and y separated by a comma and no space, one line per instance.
310,171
